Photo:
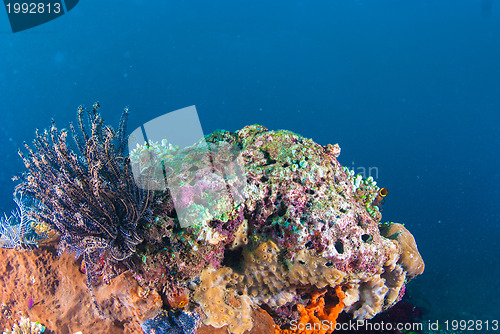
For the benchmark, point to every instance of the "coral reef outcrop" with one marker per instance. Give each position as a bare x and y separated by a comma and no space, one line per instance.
251,222
306,223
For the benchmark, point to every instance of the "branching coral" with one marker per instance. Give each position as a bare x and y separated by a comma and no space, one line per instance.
90,199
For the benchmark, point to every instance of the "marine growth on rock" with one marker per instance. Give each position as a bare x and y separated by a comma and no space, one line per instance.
248,219
306,226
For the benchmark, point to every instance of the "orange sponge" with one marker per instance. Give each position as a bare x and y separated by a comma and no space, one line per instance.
315,318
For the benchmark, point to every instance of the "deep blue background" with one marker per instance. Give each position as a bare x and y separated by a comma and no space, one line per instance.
409,87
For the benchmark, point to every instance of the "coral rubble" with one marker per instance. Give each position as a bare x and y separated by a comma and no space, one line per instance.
298,235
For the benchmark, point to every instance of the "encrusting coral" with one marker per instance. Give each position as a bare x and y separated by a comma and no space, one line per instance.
409,257
292,227
221,303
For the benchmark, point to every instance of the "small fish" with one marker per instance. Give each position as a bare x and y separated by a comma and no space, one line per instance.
30,302
380,199
179,299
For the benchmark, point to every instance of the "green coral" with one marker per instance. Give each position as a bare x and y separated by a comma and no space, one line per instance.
365,190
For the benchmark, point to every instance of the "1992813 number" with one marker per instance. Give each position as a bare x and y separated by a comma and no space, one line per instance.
472,325
33,8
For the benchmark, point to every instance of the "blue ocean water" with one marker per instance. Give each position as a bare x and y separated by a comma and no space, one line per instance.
409,88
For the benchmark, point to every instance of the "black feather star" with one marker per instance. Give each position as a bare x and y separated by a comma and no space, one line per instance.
90,197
